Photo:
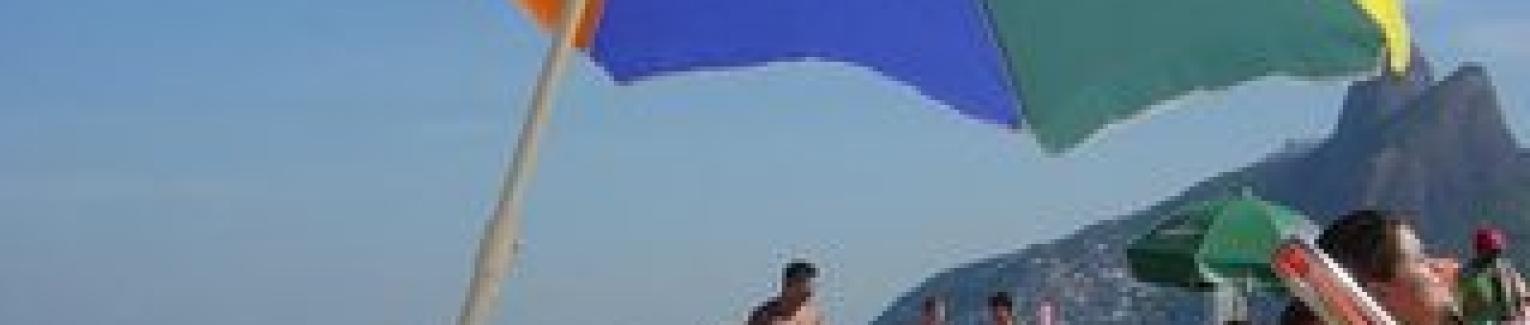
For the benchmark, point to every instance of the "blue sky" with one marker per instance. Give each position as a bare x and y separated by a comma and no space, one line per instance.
302,162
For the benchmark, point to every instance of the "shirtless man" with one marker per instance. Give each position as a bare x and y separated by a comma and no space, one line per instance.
1001,309
793,305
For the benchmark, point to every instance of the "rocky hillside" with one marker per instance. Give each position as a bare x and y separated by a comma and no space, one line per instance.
1435,146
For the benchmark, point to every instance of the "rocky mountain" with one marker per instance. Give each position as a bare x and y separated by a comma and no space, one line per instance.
1438,147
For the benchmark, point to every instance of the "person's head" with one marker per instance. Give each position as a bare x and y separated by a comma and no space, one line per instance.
797,280
1001,308
1384,254
933,310
1489,241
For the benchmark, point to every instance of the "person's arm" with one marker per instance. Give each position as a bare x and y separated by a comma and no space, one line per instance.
758,317
1518,294
762,314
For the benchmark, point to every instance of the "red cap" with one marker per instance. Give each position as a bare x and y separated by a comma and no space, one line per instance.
1489,240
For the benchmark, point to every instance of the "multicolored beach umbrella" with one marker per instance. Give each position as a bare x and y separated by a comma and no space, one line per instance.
1061,69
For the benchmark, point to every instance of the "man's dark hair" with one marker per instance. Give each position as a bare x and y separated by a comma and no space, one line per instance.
799,269
1001,299
1367,242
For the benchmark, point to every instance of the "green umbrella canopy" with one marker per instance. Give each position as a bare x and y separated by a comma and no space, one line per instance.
1212,242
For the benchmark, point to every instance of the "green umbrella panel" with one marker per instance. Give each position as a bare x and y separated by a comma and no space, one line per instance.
1215,242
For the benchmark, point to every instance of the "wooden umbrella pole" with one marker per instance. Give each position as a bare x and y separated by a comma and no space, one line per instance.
500,242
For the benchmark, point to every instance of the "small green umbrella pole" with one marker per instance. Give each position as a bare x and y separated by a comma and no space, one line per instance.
1231,304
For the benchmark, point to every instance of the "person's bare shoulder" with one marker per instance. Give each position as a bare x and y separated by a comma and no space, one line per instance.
817,315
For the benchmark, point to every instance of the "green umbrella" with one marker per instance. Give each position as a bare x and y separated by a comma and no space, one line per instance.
1220,242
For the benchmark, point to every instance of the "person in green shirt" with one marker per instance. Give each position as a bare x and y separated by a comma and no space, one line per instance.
1490,290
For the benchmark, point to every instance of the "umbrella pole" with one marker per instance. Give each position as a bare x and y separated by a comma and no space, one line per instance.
1221,300
1231,302
500,242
